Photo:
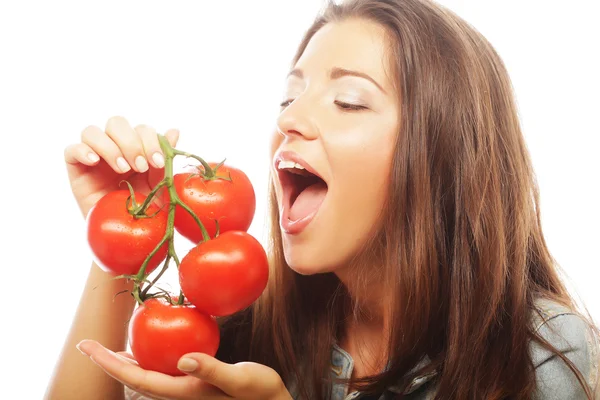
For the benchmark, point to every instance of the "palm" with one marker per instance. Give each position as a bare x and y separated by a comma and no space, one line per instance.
90,183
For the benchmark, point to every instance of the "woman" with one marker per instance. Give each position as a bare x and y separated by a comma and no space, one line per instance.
414,268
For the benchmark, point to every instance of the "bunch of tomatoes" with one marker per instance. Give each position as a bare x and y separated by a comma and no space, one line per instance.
131,234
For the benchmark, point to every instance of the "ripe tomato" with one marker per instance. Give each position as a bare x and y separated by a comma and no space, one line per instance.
160,334
224,275
119,242
232,203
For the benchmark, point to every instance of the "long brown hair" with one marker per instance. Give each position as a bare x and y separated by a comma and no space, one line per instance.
460,238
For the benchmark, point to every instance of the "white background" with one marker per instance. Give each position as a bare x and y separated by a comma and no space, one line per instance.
215,70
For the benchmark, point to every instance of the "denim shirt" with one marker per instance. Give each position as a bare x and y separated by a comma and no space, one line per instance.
564,329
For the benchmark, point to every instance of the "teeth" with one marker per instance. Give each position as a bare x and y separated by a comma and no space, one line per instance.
289,164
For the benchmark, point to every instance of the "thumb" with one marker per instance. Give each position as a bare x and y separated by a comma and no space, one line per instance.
222,375
172,136
242,380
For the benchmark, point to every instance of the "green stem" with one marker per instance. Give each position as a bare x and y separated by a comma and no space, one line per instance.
169,154
205,235
162,271
208,171
141,211
141,274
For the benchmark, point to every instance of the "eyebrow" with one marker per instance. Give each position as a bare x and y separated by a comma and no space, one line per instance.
337,73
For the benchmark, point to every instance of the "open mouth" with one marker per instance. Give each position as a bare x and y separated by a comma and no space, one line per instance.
303,193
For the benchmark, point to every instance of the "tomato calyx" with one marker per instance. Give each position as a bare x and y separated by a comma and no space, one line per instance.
168,297
206,172
139,211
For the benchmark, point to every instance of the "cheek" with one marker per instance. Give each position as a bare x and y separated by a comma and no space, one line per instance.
364,185
276,139
361,169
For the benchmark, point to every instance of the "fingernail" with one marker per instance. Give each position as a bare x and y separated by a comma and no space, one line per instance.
93,157
158,159
81,350
122,164
141,164
187,365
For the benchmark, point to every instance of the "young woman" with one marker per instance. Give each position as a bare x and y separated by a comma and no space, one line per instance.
415,268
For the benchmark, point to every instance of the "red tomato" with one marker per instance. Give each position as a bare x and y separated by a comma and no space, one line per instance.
224,275
160,334
232,203
119,242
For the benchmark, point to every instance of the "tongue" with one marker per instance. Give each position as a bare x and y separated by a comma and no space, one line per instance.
308,201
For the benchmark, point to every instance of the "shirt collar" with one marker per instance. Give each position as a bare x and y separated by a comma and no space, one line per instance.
418,380
339,367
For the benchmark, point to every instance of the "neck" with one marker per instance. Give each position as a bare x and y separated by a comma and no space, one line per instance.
368,299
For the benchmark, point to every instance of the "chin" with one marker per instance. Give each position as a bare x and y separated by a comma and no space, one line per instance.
306,270
305,262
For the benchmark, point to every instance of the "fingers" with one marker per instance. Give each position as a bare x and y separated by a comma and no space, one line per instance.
214,372
152,384
101,144
151,145
129,142
172,136
241,380
127,357
81,153
122,147
156,174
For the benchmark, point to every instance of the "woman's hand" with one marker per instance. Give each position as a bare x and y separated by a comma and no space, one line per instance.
207,378
105,157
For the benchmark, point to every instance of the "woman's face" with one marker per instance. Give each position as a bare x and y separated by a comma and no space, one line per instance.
325,222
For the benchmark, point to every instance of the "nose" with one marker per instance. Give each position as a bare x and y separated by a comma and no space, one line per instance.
297,120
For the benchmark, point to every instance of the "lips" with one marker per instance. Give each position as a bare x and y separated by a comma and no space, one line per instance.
295,157
307,187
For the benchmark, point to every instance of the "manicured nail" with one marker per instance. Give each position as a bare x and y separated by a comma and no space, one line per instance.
122,164
187,365
141,164
158,159
81,350
93,157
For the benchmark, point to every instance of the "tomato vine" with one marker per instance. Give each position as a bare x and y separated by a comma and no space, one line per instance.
139,211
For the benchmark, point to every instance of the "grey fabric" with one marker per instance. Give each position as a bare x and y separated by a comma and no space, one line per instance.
569,333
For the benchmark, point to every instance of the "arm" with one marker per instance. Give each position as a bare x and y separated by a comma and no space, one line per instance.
100,318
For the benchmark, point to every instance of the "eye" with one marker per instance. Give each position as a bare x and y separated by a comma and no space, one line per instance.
349,107
286,103
340,104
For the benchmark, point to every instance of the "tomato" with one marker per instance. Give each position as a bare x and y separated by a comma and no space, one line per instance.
224,275
232,203
160,334
119,242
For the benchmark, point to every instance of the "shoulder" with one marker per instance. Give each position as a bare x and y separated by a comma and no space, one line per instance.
570,334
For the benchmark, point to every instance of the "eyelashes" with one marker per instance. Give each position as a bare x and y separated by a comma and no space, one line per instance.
340,104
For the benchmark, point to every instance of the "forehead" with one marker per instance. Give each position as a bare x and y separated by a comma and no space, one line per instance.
355,44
